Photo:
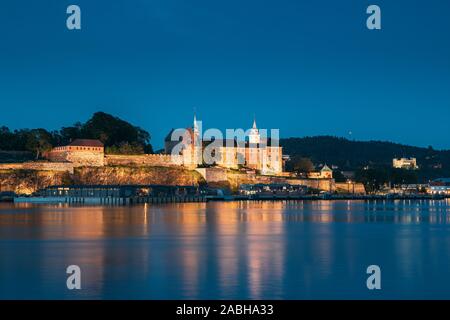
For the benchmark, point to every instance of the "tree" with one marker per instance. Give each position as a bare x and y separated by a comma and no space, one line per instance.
117,135
403,176
373,178
68,134
112,131
303,165
7,139
125,148
38,141
338,176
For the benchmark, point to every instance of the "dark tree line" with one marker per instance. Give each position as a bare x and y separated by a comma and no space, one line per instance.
117,135
376,178
36,141
377,155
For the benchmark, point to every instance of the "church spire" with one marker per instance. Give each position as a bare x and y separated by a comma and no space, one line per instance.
195,121
254,137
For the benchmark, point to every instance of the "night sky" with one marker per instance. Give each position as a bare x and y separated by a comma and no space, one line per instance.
305,67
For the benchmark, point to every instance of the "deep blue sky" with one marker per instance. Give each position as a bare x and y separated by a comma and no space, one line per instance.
306,67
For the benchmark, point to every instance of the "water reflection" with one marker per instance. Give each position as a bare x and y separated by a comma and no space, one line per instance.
290,249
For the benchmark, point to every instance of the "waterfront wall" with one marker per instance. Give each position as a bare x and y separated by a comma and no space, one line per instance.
137,175
233,179
78,157
327,185
39,165
357,188
28,177
28,181
213,174
23,181
152,160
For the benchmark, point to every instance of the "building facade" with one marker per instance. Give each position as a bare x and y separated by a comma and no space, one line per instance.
258,153
80,152
440,186
184,147
405,163
324,173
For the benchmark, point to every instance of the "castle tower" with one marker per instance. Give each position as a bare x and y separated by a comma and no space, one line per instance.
254,136
195,126
196,142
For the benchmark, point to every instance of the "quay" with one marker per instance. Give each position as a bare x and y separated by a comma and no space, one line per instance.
115,194
275,197
155,194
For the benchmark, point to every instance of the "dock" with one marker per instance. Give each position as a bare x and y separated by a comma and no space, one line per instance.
108,200
116,194
156,194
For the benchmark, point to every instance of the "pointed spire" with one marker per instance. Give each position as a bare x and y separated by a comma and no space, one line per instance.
254,133
195,120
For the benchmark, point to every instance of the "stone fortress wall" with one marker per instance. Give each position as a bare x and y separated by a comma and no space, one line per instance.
151,160
234,178
353,187
78,158
211,175
90,154
39,165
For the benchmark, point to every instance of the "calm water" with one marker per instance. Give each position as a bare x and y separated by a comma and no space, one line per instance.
268,250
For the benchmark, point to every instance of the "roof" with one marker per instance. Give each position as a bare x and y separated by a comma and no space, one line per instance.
86,143
442,180
326,168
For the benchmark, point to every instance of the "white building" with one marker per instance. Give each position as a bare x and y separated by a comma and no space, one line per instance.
440,186
259,153
405,163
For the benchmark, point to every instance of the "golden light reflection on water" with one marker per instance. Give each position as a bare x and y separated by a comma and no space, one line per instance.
240,245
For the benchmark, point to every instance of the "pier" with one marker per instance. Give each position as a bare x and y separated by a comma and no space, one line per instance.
116,194
157,194
287,197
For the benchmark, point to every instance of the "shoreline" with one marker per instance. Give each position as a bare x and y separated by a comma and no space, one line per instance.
198,199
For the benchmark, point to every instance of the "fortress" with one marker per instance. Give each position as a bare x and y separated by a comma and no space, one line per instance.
80,152
186,159
256,153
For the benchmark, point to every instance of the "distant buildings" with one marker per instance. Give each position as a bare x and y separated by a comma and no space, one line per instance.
440,186
272,189
324,173
405,163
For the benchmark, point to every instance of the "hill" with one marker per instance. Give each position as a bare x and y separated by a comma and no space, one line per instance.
118,136
354,155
